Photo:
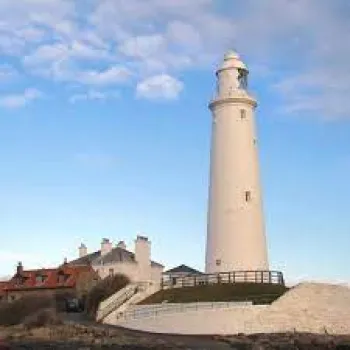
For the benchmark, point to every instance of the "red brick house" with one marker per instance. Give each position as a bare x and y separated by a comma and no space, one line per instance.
65,279
3,286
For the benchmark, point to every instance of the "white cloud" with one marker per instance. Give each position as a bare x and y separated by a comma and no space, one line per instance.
47,53
316,92
302,41
185,34
161,86
7,72
143,46
31,34
56,60
25,22
93,95
66,41
58,51
19,100
110,76
59,62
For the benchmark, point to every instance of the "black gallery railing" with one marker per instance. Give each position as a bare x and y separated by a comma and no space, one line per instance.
190,280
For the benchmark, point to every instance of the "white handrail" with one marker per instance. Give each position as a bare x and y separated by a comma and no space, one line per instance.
144,311
116,300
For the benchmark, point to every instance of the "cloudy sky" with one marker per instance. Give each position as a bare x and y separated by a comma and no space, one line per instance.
105,131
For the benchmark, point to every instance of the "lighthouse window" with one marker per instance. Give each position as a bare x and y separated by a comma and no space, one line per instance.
218,262
242,79
243,113
248,196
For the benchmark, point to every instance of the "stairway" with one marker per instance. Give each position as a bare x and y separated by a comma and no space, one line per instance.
113,308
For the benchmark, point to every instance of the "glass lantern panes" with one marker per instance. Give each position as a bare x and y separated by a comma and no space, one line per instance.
243,79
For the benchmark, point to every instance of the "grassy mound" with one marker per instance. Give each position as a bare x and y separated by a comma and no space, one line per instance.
255,292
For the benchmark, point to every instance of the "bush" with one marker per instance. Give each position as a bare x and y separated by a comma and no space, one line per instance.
15,312
42,318
103,290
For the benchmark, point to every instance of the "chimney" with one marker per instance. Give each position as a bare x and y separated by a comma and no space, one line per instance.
121,245
142,250
143,258
82,250
106,246
19,268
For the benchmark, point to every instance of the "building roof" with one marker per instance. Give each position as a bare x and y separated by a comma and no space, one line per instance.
3,285
183,269
87,259
117,254
50,278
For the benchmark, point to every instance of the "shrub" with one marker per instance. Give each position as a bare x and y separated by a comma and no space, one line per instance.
41,318
15,312
103,290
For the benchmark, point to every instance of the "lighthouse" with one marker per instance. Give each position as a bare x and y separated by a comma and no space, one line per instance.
235,229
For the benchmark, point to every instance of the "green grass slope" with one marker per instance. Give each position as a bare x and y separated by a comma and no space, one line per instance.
257,293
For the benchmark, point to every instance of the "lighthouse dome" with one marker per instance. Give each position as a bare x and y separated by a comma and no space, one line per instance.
232,60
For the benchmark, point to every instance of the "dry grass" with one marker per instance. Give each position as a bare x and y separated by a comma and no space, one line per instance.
15,312
41,318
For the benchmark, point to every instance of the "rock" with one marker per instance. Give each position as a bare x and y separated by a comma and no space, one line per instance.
4,345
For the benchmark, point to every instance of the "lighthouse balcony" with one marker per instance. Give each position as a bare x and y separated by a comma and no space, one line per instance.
191,280
256,287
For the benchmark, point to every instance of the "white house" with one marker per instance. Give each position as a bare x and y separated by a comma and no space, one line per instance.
181,275
110,260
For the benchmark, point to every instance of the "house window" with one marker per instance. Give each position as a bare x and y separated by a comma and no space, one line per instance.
39,279
243,113
248,196
218,262
111,272
62,278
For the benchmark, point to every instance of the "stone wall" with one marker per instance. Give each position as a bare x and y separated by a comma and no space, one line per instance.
308,307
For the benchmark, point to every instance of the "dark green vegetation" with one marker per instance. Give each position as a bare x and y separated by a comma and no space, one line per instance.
103,290
258,293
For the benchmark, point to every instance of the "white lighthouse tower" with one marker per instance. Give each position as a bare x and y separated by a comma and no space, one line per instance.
236,234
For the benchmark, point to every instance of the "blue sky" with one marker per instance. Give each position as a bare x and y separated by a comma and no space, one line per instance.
105,131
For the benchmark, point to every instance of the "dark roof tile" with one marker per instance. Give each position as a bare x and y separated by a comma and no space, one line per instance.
117,254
